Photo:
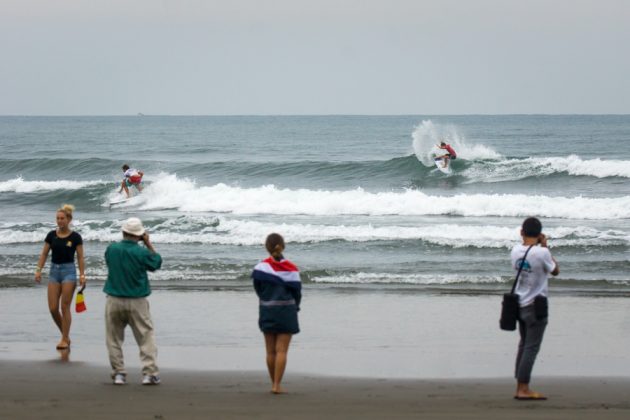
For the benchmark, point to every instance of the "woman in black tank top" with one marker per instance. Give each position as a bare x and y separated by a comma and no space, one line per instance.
62,281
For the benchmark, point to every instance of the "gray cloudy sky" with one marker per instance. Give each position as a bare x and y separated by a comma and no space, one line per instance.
207,57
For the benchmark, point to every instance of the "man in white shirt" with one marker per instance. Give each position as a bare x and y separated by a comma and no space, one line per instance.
532,290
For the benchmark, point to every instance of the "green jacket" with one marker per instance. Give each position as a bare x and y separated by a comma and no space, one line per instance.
127,265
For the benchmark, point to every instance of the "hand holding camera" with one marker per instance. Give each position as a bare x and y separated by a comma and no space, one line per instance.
147,242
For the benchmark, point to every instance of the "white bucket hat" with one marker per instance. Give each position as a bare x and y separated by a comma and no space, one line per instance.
133,226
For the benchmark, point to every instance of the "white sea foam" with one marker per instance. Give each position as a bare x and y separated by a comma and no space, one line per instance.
514,169
229,231
245,232
170,192
599,168
405,278
19,185
427,135
166,275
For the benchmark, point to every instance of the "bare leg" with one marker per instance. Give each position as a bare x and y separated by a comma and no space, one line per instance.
282,348
124,187
67,293
139,187
54,293
270,346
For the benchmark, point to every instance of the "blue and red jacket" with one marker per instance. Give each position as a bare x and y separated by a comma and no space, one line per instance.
277,283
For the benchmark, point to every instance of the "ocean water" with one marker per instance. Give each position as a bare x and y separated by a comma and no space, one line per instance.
357,198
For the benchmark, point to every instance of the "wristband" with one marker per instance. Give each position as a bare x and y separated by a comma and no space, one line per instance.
38,269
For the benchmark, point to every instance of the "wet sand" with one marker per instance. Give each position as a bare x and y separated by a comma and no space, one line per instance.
348,334
374,364
72,390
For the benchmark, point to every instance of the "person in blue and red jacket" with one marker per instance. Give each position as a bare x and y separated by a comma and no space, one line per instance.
277,284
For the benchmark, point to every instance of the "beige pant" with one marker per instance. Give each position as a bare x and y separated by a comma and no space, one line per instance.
120,312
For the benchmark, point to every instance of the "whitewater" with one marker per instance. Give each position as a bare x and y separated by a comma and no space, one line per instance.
357,198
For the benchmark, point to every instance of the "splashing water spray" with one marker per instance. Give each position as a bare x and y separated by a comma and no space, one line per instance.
427,135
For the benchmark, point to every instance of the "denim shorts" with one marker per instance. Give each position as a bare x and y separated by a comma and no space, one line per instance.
61,273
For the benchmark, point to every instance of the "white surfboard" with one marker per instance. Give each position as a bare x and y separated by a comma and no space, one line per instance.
439,163
119,200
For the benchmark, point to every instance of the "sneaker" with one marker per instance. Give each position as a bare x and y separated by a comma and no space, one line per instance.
150,380
120,379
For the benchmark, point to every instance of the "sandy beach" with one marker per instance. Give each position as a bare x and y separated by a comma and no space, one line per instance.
393,364
55,389
410,336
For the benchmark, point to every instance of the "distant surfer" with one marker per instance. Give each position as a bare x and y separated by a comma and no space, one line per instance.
132,177
450,153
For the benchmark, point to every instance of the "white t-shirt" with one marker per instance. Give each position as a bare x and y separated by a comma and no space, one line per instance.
533,280
130,172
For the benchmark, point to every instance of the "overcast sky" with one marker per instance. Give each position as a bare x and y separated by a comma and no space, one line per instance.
226,57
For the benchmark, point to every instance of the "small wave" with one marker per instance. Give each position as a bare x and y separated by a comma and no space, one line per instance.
167,191
78,167
515,169
19,185
467,283
167,275
224,231
396,170
170,192
406,278
599,168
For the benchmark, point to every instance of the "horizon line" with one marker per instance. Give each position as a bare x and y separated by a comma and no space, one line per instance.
312,115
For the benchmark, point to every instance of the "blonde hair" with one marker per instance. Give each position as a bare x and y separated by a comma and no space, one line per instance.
67,209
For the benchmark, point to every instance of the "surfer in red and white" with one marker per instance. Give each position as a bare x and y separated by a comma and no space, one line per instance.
132,177
450,153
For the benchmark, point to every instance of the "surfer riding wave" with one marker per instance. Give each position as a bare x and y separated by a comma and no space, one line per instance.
132,177
446,157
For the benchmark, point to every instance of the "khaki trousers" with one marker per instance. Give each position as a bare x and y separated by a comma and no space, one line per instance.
120,312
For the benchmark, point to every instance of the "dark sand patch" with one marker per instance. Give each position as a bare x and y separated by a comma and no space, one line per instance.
75,390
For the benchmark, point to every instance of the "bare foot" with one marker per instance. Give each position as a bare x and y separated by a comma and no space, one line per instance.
530,395
278,390
64,355
63,345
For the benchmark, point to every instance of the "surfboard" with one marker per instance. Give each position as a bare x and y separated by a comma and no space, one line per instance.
439,164
119,200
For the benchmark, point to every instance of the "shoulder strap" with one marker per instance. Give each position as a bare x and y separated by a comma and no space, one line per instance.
520,269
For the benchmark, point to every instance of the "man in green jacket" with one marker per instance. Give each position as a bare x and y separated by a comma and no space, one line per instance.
127,287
